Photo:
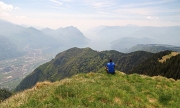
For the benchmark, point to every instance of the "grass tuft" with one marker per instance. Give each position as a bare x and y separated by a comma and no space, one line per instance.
42,84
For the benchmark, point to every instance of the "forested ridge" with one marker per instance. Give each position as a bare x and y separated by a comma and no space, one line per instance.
153,67
4,94
81,60
154,48
84,60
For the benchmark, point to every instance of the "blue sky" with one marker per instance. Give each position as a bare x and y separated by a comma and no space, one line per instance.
85,14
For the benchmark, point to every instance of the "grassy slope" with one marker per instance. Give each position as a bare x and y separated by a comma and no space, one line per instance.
100,90
164,58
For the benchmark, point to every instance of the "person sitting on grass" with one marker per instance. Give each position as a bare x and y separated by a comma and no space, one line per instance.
110,67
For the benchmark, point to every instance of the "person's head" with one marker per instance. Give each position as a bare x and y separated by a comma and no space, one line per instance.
110,60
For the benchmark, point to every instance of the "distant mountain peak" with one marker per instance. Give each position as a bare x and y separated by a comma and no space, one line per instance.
68,27
32,28
47,28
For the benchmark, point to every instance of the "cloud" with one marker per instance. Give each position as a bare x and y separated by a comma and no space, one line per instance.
134,11
152,18
100,4
5,7
7,12
57,2
17,8
147,4
21,17
67,0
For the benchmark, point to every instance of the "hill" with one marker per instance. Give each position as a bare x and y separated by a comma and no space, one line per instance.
166,63
154,48
126,43
81,60
161,35
100,90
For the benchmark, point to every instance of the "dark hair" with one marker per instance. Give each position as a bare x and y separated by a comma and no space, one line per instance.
110,60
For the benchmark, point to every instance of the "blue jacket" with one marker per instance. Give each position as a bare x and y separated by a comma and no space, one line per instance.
111,67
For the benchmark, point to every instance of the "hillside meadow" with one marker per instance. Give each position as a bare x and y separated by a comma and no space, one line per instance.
100,90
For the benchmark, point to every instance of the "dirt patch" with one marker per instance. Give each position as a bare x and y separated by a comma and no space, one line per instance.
151,100
117,100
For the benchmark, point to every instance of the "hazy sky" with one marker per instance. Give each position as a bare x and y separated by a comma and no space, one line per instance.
85,14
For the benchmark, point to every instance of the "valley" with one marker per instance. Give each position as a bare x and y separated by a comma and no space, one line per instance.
12,71
23,49
61,53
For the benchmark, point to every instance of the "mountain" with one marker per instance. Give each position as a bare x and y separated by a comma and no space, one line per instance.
24,39
153,35
166,63
24,48
33,38
154,48
8,29
68,35
126,43
81,60
112,33
51,41
100,90
9,49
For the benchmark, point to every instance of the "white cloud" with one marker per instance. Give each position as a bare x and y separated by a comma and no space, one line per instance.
67,0
100,4
89,13
158,2
8,12
148,17
152,18
5,7
21,17
55,1
17,8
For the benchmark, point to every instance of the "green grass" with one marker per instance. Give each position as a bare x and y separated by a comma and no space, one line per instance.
100,90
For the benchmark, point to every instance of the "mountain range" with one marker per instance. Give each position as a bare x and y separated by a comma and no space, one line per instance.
85,60
52,41
122,38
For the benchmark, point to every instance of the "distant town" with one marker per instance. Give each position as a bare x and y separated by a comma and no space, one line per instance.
12,71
